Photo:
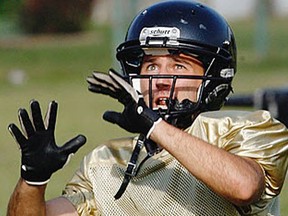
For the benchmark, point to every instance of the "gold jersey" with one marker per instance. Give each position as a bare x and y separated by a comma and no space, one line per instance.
164,187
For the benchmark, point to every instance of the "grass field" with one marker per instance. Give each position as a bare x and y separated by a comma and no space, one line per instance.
55,68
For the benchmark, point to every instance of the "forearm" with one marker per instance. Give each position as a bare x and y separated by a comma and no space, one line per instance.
237,179
27,200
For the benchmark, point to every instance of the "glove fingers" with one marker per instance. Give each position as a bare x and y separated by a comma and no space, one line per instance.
120,120
100,89
102,83
73,145
115,118
25,122
102,80
121,95
125,85
18,136
37,116
51,115
105,80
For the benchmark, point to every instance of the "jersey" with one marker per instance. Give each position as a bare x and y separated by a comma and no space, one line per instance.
164,187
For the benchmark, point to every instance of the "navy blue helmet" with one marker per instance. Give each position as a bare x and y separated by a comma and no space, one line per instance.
191,28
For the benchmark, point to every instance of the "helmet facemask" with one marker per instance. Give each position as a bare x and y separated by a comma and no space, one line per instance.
181,113
176,112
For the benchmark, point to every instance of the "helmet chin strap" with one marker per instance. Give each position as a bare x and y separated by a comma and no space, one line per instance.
180,114
134,165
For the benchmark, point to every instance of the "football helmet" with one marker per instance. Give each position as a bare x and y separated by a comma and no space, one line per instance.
191,28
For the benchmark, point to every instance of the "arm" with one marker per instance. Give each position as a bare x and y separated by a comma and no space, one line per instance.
41,157
238,179
23,194
34,195
60,206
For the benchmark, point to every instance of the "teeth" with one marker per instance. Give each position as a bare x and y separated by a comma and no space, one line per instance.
161,103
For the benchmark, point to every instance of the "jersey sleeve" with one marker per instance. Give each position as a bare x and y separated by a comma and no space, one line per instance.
254,135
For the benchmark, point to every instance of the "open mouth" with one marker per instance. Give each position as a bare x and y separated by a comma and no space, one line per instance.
161,102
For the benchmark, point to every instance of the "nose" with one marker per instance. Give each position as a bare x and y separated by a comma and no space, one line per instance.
163,83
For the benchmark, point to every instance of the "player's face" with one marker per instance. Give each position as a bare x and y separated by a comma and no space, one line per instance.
170,65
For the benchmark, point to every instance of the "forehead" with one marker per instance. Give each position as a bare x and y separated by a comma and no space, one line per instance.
176,57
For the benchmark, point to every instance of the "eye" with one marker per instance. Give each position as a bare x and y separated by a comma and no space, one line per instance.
180,67
151,67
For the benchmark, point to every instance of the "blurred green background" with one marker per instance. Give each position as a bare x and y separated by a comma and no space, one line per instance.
54,66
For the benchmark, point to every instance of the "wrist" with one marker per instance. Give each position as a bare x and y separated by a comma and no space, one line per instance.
27,199
161,138
38,189
153,127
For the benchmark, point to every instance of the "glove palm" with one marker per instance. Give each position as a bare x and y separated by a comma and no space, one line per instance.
41,157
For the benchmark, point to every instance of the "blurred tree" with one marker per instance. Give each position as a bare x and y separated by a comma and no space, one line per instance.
54,16
9,8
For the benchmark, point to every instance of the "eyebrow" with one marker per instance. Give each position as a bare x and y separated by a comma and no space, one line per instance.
179,59
149,59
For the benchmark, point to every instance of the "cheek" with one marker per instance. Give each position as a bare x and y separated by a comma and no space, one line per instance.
144,89
197,83
144,84
187,89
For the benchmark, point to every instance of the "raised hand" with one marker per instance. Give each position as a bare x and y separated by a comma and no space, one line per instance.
41,156
136,116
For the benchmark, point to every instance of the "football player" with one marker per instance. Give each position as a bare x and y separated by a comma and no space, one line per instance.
178,61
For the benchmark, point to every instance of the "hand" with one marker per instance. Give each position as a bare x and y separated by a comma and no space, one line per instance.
41,157
136,116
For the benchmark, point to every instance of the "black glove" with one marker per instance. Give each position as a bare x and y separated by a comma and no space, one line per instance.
41,157
136,116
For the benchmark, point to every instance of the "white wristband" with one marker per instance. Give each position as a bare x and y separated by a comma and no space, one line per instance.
153,127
